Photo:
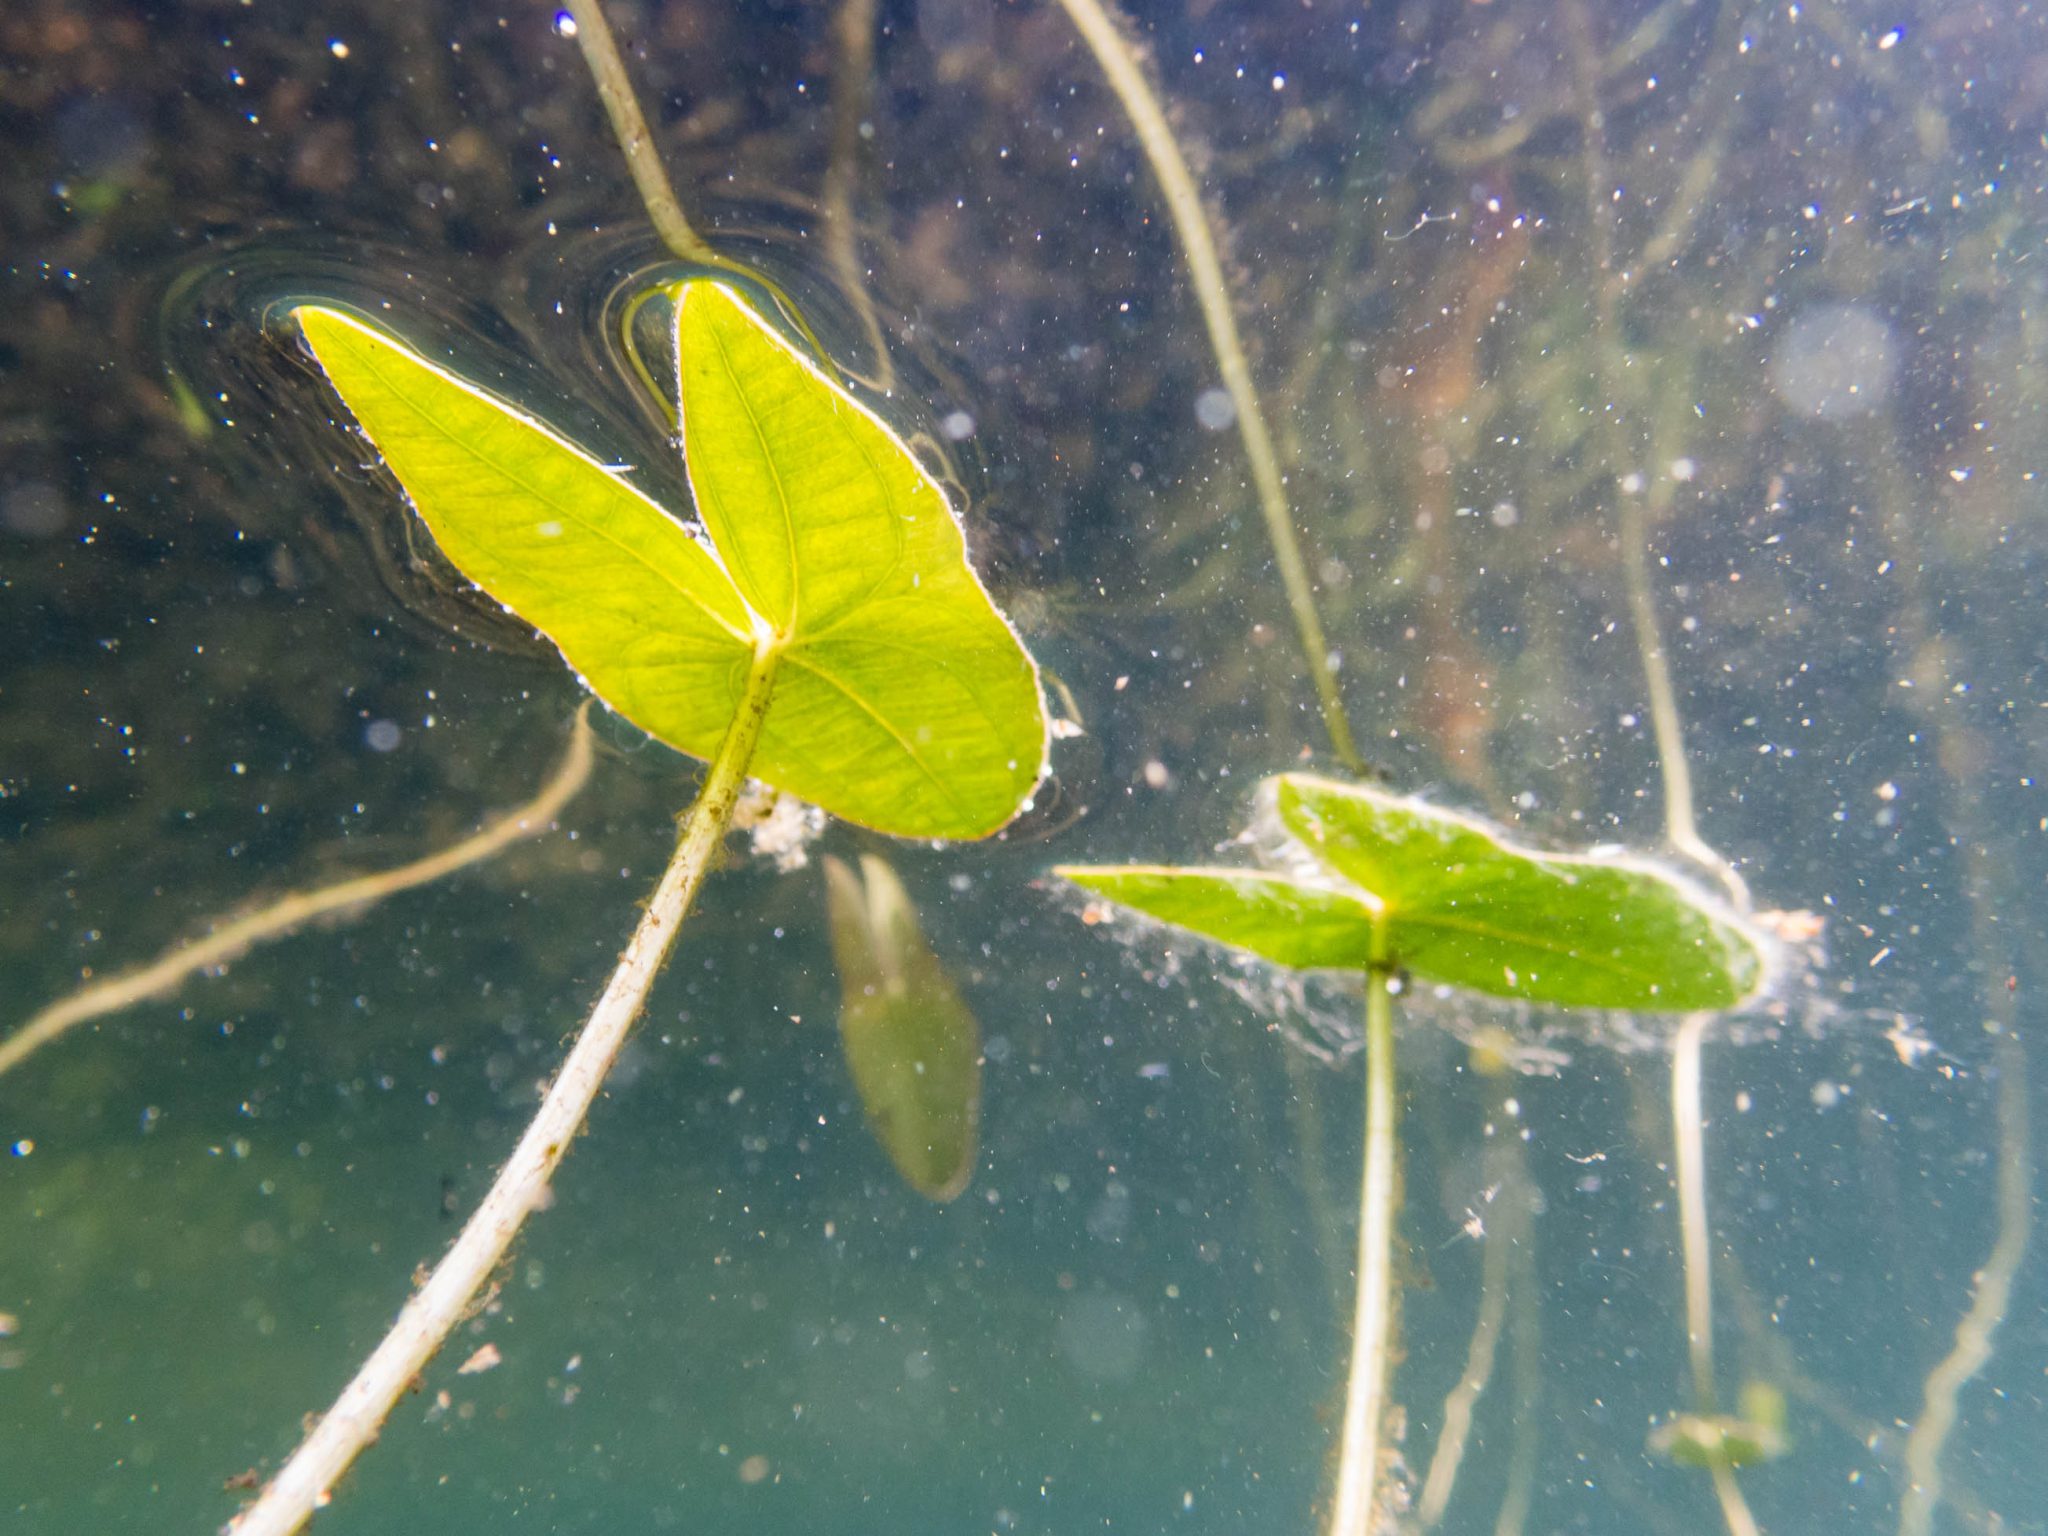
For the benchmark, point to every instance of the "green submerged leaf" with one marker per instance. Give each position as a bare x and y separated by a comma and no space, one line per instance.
1449,900
1465,906
911,1045
902,702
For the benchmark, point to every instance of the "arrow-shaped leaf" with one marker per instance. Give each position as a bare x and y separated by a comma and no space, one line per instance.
1417,888
902,700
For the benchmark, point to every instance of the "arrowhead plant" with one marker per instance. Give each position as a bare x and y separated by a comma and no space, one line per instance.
1390,887
820,630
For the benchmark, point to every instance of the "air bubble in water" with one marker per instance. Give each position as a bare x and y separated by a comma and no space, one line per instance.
1214,409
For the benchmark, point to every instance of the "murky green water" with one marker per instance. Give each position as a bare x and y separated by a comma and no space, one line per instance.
1529,290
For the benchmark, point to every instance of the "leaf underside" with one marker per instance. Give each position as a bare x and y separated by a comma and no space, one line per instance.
1457,904
1466,907
902,700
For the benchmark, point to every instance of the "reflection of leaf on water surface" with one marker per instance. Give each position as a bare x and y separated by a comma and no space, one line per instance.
912,1047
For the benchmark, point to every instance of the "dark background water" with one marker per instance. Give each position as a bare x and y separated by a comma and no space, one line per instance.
1777,276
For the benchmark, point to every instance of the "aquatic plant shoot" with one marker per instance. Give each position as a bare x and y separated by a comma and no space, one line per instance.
786,657
1392,887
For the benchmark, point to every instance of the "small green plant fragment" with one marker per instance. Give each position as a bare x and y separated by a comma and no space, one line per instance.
901,699
1465,906
911,1045
1719,1440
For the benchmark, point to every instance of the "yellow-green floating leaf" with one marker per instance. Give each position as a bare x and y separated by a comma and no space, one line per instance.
912,1047
902,700
636,605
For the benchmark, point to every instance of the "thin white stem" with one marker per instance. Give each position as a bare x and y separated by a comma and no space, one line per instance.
435,1310
1690,1140
1681,825
1205,269
853,73
1365,1397
1494,1287
1526,1365
1734,1507
1987,1307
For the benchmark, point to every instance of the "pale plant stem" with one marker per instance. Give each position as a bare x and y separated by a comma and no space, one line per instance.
1667,721
1988,1305
1205,270
650,180
1681,825
1992,894
230,939
1734,1507
636,142
1690,1139
1667,725
1365,1395
1480,1353
437,1308
1526,1366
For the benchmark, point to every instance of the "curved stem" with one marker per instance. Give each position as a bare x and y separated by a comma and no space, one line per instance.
1365,1397
229,940
1690,1138
1526,1364
650,179
1205,270
636,142
1681,826
1989,883
1509,1176
438,1306
1987,1307
853,70
1734,1507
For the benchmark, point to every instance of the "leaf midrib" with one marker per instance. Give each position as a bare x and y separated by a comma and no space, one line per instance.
788,626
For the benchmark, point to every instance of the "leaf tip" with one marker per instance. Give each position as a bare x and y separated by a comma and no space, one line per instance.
706,290
302,315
